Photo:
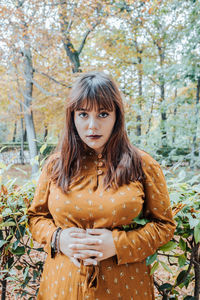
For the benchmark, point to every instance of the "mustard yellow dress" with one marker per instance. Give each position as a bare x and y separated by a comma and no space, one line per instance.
125,275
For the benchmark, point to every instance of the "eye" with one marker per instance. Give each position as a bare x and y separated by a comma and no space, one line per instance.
83,114
103,114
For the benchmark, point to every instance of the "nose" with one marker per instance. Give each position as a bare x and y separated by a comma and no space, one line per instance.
93,123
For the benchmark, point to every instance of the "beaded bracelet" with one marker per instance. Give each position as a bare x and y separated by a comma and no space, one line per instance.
58,241
54,243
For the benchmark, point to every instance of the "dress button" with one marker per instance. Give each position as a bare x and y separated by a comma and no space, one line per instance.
99,172
99,155
100,164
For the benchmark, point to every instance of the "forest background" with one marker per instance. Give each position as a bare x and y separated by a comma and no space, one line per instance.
152,49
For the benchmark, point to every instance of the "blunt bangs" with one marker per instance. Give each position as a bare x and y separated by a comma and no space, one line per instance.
93,93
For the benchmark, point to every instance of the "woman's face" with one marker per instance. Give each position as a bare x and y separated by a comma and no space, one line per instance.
94,127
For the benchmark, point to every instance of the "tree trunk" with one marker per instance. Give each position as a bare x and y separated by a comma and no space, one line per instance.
22,138
163,116
151,112
197,271
174,126
68,46
194,139
45,133
73,55
139,119
162,98
25,135
3,284
28,114
66,22
15,132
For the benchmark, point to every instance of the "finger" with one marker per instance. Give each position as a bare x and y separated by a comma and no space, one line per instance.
95,231
88,241
90,261
81,254
76,262
78,235
78,247
77,230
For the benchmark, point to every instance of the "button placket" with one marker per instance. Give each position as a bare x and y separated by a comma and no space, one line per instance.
99,164
99,172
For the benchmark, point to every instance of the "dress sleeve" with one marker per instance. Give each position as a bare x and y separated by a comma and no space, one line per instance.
136,245
41,222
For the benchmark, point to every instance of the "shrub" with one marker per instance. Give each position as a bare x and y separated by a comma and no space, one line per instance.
184,249
19,266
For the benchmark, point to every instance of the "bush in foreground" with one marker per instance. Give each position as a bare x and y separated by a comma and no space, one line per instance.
20,264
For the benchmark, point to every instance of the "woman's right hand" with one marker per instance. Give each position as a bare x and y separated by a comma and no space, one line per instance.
85,246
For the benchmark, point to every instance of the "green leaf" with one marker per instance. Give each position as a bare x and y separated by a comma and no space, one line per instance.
7,224
18,267
193,222
31,243
150,259
182,244
2,242
6,212
190,298
197,233
182,260
26,272
180,277
154,268
35,274
168,247
10,262
140,221
18,251
166,267
43,148
165,286
2,165
15,244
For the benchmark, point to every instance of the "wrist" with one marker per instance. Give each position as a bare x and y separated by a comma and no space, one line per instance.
55,242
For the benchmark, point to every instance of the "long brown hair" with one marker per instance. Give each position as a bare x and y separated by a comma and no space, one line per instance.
123,161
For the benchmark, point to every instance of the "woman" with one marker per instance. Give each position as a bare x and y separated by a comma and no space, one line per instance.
94,185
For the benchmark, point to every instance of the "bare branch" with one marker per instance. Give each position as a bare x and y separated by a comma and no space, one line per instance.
20,3
47,93
156,83
53,79
86,35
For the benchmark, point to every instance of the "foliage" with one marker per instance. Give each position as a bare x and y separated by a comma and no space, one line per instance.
17,262
184,250
180,257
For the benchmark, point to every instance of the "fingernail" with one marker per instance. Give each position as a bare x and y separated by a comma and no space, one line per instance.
95,263
70,246
100,254
100,241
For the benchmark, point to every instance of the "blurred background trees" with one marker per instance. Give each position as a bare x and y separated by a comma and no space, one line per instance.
150,47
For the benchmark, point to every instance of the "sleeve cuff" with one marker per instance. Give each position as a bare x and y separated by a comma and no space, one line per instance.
47,247
123,252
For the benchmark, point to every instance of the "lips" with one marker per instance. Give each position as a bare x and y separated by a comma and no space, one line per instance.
94,136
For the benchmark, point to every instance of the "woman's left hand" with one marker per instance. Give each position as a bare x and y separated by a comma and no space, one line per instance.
106,247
